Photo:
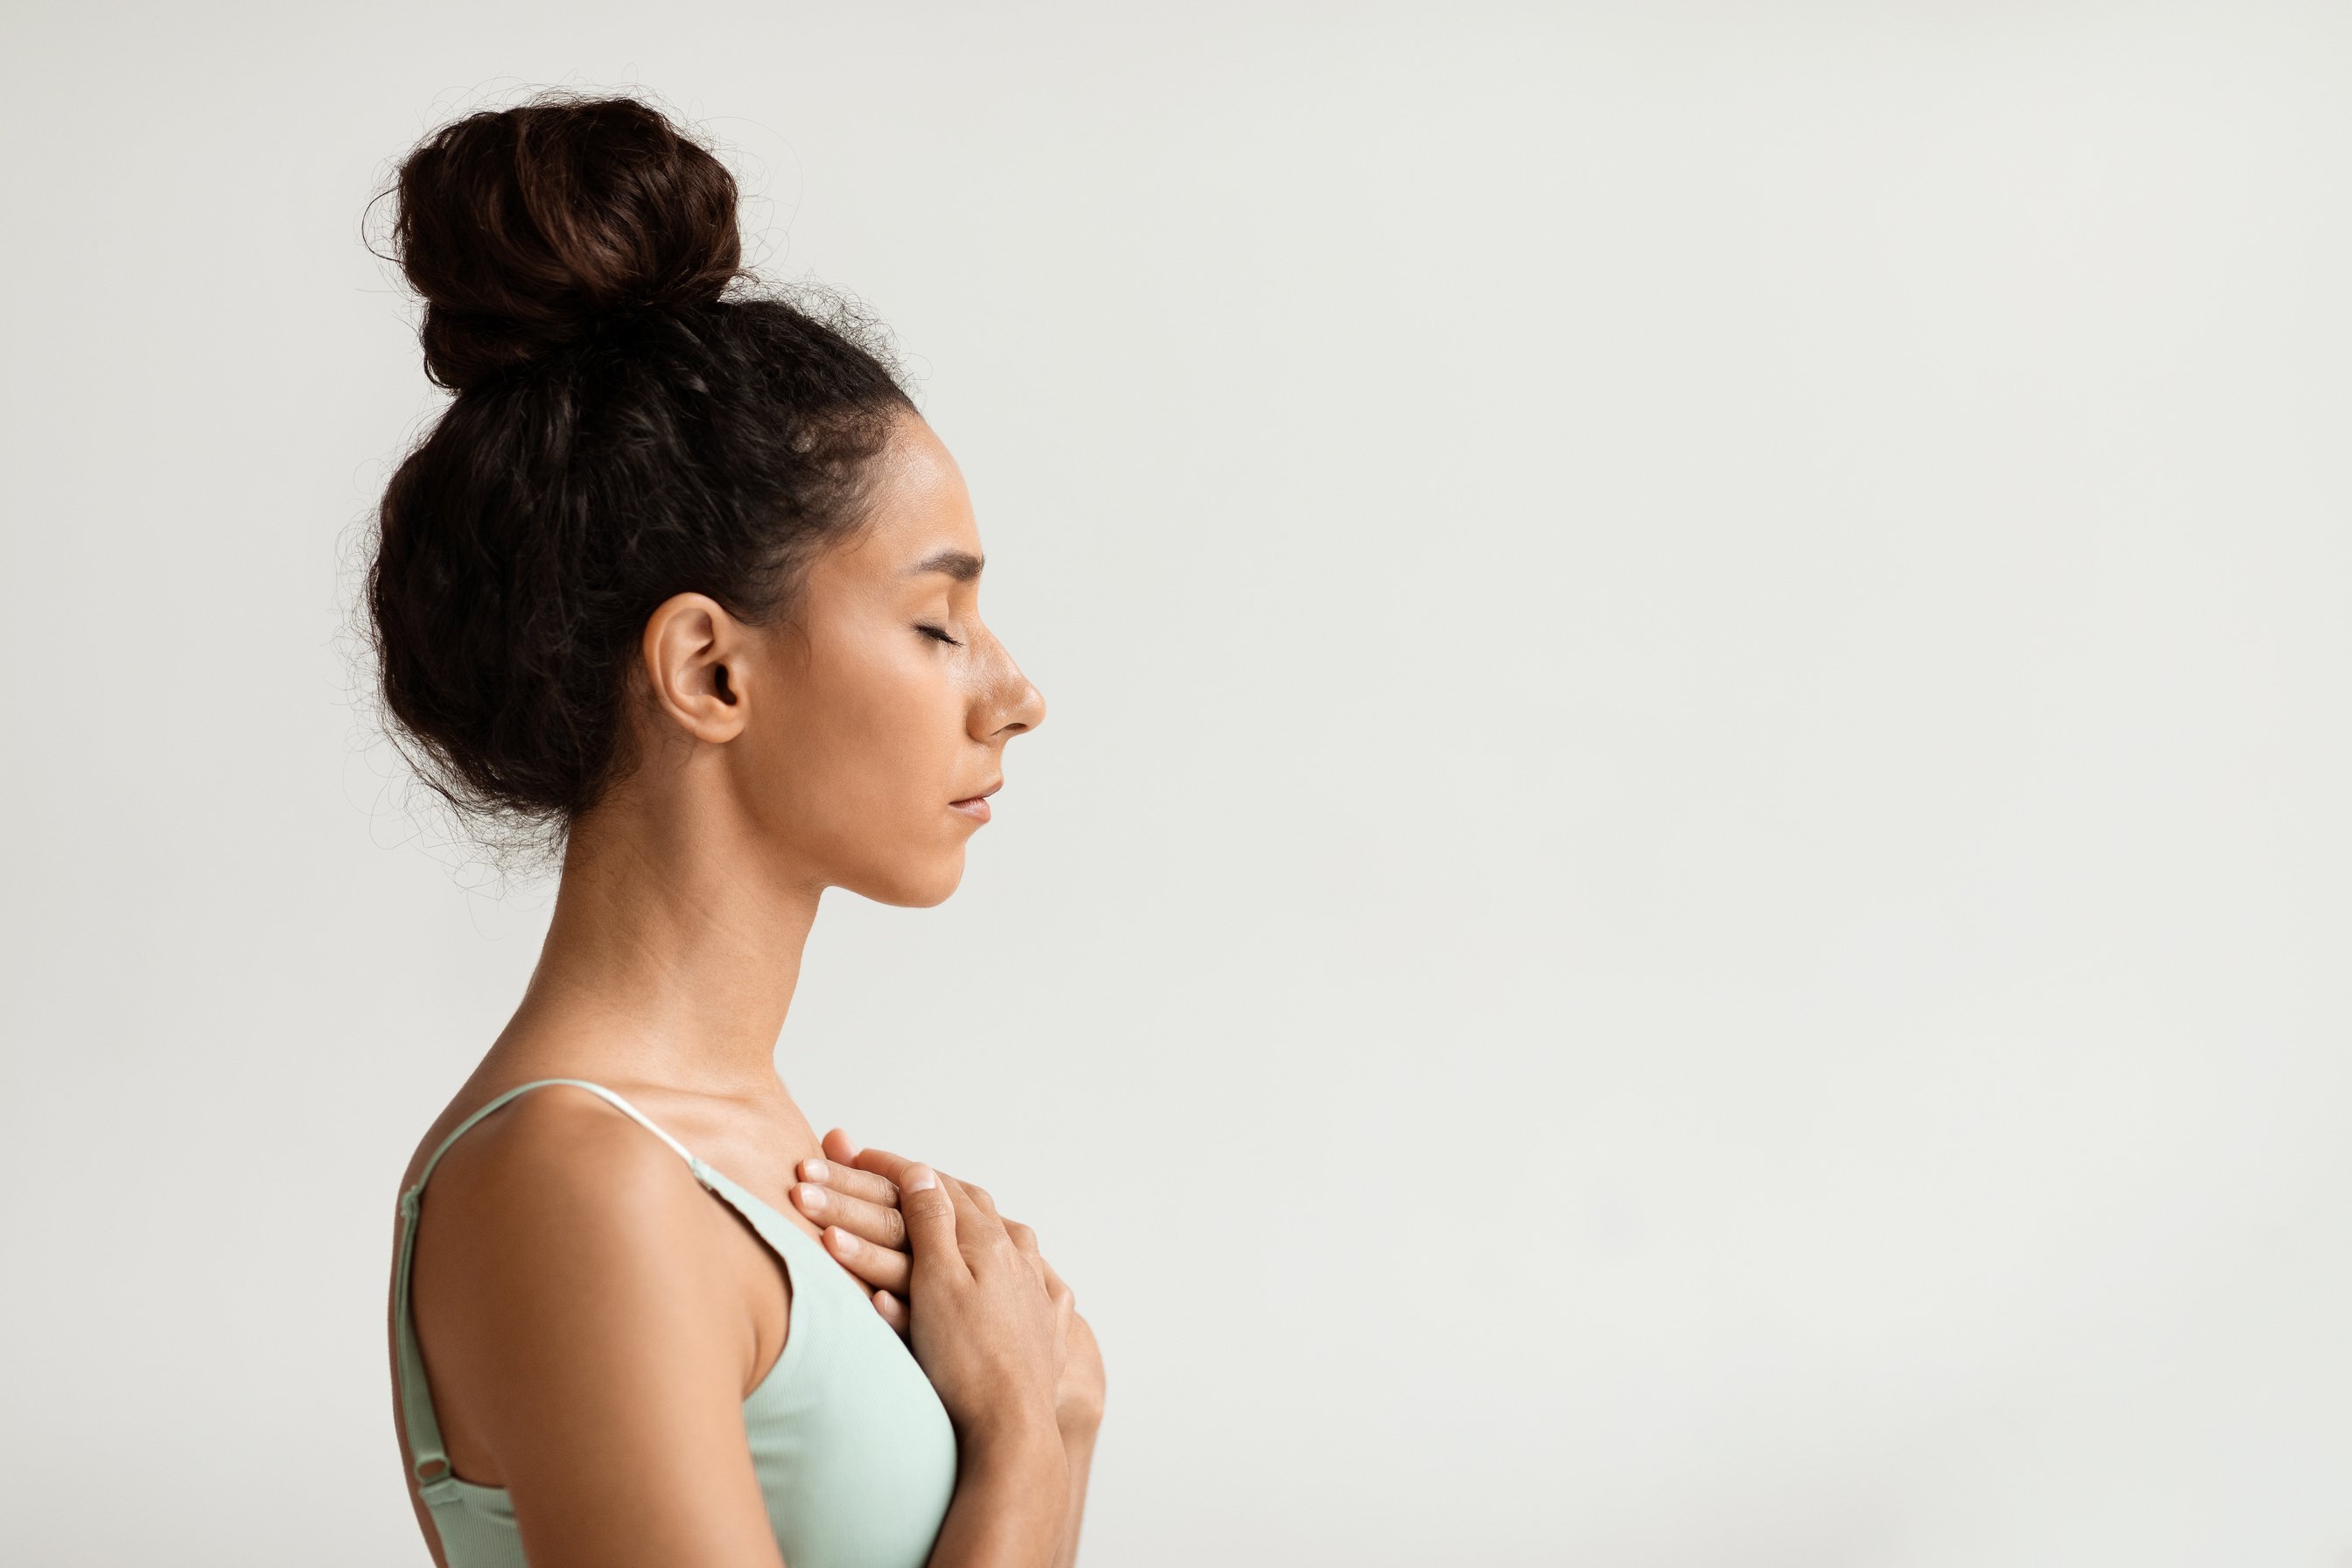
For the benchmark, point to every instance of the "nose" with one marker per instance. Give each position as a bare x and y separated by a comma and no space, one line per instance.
1012,704
1031,710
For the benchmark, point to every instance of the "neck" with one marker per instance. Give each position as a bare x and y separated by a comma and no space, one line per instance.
672,956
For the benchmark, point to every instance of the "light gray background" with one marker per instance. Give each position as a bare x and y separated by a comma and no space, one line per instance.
1684,902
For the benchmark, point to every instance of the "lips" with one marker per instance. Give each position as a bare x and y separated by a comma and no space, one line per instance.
975,806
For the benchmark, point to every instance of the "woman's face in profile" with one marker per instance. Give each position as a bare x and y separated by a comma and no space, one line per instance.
896,700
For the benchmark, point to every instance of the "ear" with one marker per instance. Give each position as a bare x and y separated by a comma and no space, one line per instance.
694,654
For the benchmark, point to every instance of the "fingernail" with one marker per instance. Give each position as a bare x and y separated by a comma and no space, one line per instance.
919,1179
843,1242
815,1171
808,1197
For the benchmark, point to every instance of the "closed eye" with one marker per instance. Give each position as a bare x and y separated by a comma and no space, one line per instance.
936,632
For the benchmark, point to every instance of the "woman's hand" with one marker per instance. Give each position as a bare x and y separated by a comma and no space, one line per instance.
979,1323
854,1201
854,1194
982,1330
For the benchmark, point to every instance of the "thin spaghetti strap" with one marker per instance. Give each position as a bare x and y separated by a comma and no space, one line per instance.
427,1460
595,1089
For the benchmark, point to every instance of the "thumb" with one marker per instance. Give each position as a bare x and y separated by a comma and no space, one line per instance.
930,1215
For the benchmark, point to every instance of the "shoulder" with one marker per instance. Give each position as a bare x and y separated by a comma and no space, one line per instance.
558,1234
582,1341
559,1150
556,1182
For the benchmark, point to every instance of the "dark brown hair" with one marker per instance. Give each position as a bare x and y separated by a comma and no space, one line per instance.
633,419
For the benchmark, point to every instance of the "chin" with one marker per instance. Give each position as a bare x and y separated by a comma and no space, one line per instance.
913,887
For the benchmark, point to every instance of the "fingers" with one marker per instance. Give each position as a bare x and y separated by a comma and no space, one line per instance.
857,1212
851,1193
1025,1242
881,1268
880,1161
1065,1301
893,1309
979,1233
849,1179
845,1151
876,1162
877,1223
969,1214
932,1212
1062,1295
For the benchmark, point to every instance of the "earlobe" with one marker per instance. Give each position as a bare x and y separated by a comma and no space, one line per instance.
694,652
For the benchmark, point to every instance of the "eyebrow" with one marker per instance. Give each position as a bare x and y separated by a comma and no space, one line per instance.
961,564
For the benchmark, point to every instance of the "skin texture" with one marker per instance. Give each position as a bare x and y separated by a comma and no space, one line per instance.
773,761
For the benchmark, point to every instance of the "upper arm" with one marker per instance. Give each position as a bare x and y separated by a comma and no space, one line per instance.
572,1294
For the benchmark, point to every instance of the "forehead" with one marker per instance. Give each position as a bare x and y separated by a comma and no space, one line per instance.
916,504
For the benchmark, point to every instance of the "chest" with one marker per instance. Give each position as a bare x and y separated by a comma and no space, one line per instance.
759,1146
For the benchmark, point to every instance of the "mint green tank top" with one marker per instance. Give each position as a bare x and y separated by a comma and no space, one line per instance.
853,1449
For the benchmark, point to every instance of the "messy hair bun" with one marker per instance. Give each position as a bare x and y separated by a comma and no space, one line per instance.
520,228
633,418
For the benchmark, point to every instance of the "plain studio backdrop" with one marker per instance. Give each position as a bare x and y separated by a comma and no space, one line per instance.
1684,902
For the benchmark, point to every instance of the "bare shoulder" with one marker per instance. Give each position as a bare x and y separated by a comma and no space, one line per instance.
561,1156
559,1220
585,1338
559,1225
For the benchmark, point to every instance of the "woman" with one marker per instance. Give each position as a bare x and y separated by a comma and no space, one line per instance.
681,576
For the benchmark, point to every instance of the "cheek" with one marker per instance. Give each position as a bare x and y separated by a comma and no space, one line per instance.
861,771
